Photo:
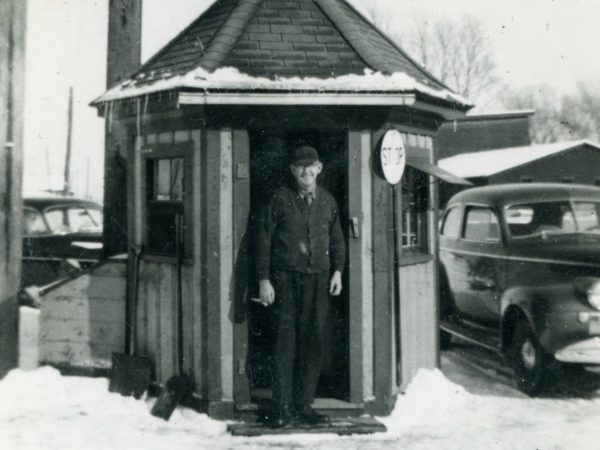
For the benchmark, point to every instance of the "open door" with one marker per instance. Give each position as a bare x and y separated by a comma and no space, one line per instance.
268,170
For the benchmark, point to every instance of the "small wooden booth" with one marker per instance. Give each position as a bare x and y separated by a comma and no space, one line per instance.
206,126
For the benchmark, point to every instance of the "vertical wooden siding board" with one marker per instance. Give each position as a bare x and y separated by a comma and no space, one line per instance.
355,294
241,211
383,266
212,265
367,261
149,291
196,282
166,320
226,263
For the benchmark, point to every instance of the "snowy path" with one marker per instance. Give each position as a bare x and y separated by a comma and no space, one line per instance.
44,410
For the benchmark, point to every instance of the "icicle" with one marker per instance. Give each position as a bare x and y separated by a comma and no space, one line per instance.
137,116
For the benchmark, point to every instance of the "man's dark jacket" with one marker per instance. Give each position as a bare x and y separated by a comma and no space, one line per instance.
292,236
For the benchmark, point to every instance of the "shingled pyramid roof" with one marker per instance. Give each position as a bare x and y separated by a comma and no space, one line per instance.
277,40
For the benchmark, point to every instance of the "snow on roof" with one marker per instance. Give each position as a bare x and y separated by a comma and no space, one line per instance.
490,162
231,79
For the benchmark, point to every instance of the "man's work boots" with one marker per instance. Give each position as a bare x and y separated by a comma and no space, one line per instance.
309,416
281,417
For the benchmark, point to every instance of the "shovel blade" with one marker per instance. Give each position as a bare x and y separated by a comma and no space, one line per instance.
175,389
130,375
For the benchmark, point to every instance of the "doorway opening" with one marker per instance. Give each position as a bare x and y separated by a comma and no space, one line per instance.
269,150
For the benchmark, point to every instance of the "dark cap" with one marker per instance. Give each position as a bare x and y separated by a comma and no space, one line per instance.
304,156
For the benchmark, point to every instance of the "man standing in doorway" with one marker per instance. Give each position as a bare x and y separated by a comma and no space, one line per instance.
300,257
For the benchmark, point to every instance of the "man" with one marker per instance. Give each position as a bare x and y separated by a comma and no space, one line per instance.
300,258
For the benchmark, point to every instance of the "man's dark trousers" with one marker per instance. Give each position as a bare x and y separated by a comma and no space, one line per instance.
300,311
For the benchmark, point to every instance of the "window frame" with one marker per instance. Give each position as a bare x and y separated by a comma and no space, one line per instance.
465,223
449,209
158,151
422,201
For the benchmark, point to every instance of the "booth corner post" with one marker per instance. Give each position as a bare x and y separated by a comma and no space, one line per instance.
12,79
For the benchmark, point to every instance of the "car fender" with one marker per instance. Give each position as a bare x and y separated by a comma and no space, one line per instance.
535,304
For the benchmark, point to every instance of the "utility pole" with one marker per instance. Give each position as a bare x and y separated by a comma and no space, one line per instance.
124,56
68,155
12,81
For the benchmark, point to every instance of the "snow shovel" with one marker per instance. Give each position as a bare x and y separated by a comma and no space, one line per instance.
180,385
130,373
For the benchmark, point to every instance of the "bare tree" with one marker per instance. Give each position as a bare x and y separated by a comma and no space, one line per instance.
456,51
559,116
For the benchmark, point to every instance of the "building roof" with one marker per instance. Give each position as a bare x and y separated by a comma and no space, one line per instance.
490,162
283,45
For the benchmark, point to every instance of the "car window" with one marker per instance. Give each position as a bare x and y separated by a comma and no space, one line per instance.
33,223
481,225
534,219
451,225
73,219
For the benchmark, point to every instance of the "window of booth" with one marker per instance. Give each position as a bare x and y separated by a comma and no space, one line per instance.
415,198
166,195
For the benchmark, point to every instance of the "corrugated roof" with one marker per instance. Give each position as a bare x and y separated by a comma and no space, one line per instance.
278,39
490,162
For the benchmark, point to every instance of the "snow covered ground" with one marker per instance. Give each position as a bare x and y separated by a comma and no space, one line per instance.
43,410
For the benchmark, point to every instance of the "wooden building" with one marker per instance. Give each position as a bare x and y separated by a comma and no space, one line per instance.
207,123
558,162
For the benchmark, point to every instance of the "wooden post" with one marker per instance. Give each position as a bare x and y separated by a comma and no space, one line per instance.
12,80
124,55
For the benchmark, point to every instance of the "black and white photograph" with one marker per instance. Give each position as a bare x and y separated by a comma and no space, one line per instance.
303,224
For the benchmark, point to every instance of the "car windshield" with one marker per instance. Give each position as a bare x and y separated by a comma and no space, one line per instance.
67,219
559,217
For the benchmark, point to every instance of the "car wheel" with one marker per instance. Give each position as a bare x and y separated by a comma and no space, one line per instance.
529,360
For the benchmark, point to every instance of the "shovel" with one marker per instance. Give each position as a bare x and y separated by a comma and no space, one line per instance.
130,373
178,385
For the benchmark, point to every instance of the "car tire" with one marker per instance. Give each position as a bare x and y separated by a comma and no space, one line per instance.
529,360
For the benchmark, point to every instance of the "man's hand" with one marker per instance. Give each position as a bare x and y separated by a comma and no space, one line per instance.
267,293
335,285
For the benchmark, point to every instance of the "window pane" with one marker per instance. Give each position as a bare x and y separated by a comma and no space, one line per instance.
451,227
57,220
33,223
586,216
481,225
537,218
176,179
162,177
80,221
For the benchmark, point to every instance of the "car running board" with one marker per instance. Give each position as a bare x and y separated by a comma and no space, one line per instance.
472,333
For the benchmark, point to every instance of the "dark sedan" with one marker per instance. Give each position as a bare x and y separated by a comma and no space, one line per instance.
61,235
520,273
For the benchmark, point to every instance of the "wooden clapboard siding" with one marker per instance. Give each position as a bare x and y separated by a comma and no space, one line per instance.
418,335
81,321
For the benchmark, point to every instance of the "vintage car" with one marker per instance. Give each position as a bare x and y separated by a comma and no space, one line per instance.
61,235
520,273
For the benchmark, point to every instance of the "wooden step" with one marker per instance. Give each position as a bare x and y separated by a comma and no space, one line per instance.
341,426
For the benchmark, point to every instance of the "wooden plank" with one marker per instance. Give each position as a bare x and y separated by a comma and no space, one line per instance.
226,262
355,267
167,324
241,247
212,265
149,289
366,255
340,426
383,291
196,316
81,308
83,331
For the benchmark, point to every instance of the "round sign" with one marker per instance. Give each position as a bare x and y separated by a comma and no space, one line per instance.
393,156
